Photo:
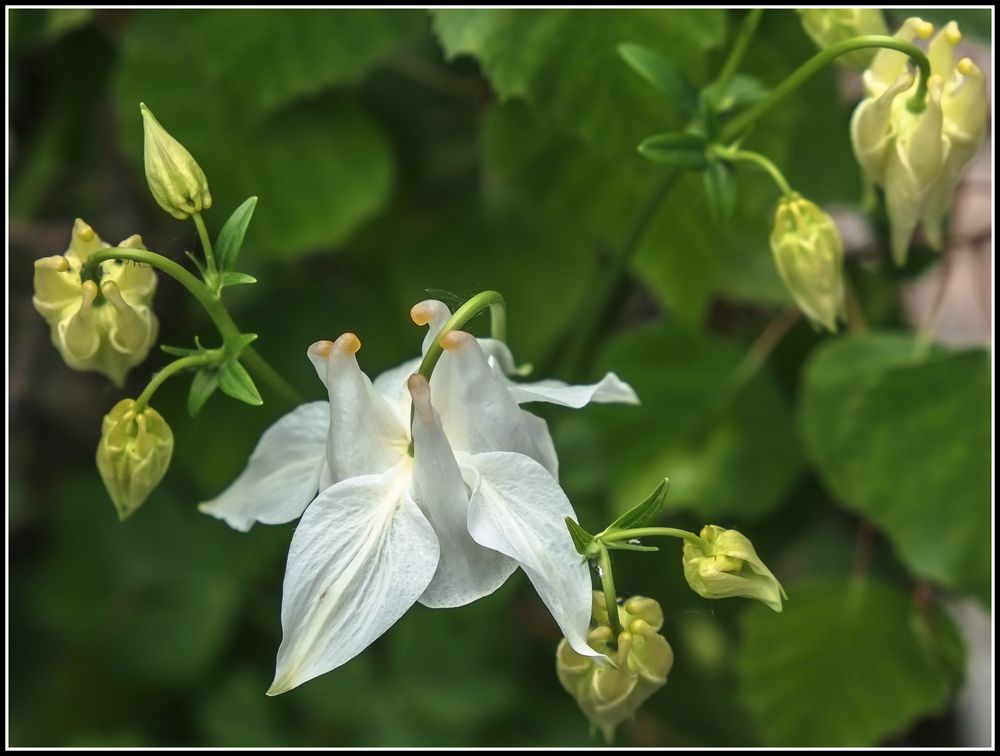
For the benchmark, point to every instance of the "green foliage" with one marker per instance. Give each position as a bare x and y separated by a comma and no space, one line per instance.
230,240
875,662
700,426
906,443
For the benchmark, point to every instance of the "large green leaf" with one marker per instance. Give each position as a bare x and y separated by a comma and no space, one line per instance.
906,443
731,454
229,85
565,62
845,665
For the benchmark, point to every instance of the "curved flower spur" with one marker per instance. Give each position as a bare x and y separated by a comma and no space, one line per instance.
445,526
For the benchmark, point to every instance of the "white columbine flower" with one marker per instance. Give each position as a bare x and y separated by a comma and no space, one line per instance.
445,527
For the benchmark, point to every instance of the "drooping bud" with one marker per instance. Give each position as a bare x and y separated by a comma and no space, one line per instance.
809,255
176,180
727,566
827,26
103,322
133,454
918,158
642,658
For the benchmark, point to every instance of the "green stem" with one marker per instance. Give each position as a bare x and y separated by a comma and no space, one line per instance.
610,595
625,535
195,360
807,70
206,242
498,325
747,156
736,52
216,310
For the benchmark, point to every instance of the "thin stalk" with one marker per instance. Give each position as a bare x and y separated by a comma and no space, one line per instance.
807,70
624,535
736,52
747,156
160,377
206,242
498,325
610,595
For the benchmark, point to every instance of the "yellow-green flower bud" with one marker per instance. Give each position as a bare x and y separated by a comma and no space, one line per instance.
726,565
133,454
917,158
641,659
177,182
827,26
809,255
106,325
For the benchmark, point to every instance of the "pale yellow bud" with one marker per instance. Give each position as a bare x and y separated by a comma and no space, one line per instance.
133,454
176,180
726,565
809,255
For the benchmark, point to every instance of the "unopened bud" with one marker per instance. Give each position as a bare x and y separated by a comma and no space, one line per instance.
727,566
177,182
809,255
133,454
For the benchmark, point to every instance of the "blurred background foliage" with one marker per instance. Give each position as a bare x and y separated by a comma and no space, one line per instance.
459,150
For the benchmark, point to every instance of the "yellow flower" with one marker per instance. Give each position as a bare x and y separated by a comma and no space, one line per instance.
728,566
106,326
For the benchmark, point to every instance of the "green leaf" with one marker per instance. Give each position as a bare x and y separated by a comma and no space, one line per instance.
203,385
232,278
581,538
644,512
565,63
178,351
258,116
230,239
695,428
678,148
235,381
720,188
906,444
741,91
237,344
863,650
663,74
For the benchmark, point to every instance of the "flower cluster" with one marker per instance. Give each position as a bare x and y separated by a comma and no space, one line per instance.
640,658
917,157
380,528
105,325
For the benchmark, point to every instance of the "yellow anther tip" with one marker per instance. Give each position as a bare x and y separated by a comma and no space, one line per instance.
952,33
321,348
599,634
966,67
924,29
421,313
455,340
348,342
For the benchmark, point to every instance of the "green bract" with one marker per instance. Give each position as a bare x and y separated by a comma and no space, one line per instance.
729,567
133,454
809,255
177,182
642,659
107,324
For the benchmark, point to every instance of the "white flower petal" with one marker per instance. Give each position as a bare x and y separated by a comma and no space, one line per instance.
610,389
477,411
538,429
434,315
366,435
520,510
392,385
283,474
360,557
466,570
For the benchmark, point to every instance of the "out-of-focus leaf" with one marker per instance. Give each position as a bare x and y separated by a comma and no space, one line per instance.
730,456
720,189
677,148
203,385
907,445
874,661
565,63
320,167
662,73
